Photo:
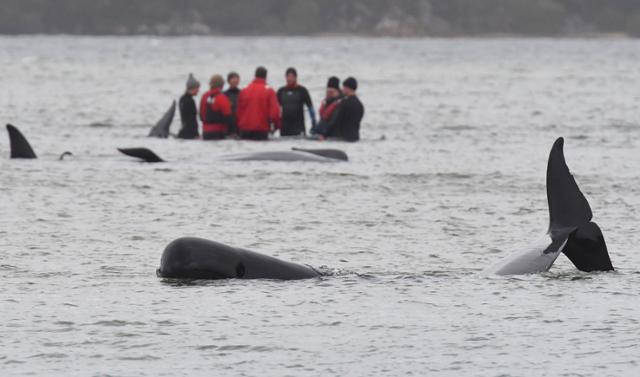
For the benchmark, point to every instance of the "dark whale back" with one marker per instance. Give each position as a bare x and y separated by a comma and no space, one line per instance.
147,155
568,208
335,154
161,129
196,258
20,147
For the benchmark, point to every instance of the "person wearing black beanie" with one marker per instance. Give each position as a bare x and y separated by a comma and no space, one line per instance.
349,114
293,97
328,107
351,83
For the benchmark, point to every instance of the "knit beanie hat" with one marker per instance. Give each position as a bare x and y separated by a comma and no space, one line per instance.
216,81
192,83
351,83
333,82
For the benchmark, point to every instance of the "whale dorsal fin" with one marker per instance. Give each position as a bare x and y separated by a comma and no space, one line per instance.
335,154
20,147
161,129
568,208
147,155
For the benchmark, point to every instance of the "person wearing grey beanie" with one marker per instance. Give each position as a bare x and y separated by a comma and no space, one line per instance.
192,83
188,110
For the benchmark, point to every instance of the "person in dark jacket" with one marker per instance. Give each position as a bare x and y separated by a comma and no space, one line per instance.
215,111
328,107
350,112
292,98
233,79
188,110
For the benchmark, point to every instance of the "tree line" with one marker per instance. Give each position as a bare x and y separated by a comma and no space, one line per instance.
310,17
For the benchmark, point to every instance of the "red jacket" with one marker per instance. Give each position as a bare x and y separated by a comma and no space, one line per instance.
257,108
221,107
326,111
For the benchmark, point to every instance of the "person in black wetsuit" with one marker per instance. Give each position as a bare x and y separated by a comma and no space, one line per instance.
293,98
233,79
346,124
188,110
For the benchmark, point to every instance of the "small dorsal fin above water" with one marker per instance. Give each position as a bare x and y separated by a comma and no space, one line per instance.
335,154
20,147
161,129
65,154
145,154
568,208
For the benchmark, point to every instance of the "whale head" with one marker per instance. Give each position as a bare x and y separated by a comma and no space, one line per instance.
195,258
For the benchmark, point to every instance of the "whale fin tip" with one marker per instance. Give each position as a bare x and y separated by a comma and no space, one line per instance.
145,154
568,207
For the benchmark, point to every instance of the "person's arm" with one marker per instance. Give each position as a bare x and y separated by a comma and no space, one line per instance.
312,112
334,121
226,110
203,108
274,111
240,105
191,110
279,96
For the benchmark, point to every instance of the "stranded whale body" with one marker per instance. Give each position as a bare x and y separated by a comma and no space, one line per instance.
20,147
571,230
196,258
161,129
310,155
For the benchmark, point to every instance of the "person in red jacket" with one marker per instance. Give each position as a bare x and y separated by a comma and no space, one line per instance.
215,111
258,109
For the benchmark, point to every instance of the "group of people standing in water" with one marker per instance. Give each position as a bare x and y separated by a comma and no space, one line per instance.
255,112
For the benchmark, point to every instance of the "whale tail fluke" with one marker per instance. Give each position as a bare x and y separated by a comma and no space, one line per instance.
568,208
20,147
587,250
161,129
335,154
144,154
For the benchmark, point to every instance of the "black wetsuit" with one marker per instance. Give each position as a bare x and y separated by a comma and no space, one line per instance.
232,94
346,123
292,101
189,117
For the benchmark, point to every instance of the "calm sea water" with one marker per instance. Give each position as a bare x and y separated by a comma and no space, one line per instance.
449,178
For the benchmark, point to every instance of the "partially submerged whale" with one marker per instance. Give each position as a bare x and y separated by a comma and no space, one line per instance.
145,154
196,258
310,155
20,147
161,129
571,230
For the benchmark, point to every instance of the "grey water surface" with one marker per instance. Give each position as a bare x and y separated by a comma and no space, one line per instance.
448,179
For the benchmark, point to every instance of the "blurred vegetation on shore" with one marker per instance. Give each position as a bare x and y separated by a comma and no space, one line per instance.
313,17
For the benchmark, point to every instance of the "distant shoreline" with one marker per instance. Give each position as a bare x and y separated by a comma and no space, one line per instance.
591,35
